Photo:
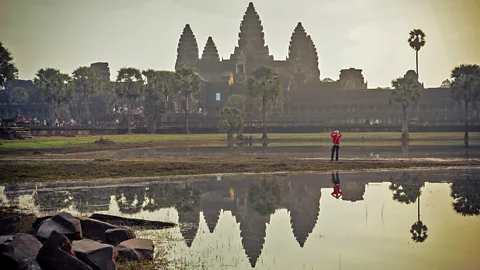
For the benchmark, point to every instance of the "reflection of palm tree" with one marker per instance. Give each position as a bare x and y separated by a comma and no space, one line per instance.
466,196
418,229
130,199
406,189
265,197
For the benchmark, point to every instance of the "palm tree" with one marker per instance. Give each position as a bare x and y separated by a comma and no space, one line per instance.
416,42
406,90
87,83
8,70
418,229
466,196
265,87
187,86
466,88
53,87
130,86
157,83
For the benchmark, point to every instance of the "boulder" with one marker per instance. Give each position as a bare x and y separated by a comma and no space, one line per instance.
22,247
120,221
117,235
29,264
39,221
9,225
98,256
4,241
56,254
95,229
63,223
136,250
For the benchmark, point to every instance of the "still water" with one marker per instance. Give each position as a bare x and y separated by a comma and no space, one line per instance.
376,220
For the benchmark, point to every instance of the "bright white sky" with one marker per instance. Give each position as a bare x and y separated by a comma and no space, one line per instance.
367,34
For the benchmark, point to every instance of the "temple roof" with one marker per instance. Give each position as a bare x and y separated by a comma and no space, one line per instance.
187,51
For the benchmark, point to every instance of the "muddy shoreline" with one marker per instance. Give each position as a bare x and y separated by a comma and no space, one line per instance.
40,170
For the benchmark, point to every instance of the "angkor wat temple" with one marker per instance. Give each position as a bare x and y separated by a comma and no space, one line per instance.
308,101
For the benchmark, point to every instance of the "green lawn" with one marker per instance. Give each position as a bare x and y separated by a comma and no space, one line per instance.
290,139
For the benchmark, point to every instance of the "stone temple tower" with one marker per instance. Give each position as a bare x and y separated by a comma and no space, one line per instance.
302,56
251,49
187,51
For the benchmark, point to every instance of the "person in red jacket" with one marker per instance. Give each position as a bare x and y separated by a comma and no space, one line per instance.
336,136
337,193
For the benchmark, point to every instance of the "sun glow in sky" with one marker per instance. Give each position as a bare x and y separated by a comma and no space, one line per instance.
367,34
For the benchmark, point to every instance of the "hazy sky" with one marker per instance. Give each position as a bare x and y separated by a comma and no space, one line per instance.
367,34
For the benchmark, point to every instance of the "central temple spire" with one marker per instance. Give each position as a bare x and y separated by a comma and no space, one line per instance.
251,37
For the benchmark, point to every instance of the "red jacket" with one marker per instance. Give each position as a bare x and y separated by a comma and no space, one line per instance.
336,138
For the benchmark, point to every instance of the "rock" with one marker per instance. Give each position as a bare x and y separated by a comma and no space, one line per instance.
117,235
29,264
63,223
95,229
120,221
4,241
56,254
22,247
98,256
9,225
39,221
136,250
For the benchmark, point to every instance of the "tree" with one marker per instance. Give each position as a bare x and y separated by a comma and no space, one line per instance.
466,196
446,84
328,80
87,83
18,95
187,86
157,84
129,87
230,121
53,87
407,189
8,70
265,197
465,87
406,90
237,101
265,88
416,42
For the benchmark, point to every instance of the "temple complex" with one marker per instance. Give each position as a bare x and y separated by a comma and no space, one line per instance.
250,53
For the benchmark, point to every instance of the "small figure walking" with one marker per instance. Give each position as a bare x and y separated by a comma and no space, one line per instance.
336,136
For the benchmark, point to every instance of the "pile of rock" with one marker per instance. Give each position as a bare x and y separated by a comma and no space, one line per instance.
64,241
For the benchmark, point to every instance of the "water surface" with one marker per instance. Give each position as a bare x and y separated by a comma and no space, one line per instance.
377,220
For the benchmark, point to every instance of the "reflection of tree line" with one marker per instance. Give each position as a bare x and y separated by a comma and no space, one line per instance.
251,201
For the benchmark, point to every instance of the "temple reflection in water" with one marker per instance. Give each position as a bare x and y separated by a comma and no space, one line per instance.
252,201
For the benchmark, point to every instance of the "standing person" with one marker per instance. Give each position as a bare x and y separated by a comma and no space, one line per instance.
336,136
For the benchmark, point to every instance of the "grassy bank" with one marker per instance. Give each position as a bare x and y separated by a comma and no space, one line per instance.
86,143
24,171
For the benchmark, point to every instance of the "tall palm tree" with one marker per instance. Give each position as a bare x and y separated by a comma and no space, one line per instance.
264,86
53,88
156,84
419,229
406,90
87,83
187,86
130,86
465,87
416,42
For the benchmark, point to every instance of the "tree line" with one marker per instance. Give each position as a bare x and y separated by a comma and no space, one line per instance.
264,88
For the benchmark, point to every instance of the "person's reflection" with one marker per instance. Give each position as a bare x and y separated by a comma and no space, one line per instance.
337,193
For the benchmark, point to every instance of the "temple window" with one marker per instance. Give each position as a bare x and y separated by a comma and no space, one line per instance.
217,96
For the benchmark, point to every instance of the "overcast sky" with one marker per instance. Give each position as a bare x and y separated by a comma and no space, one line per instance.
367,34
